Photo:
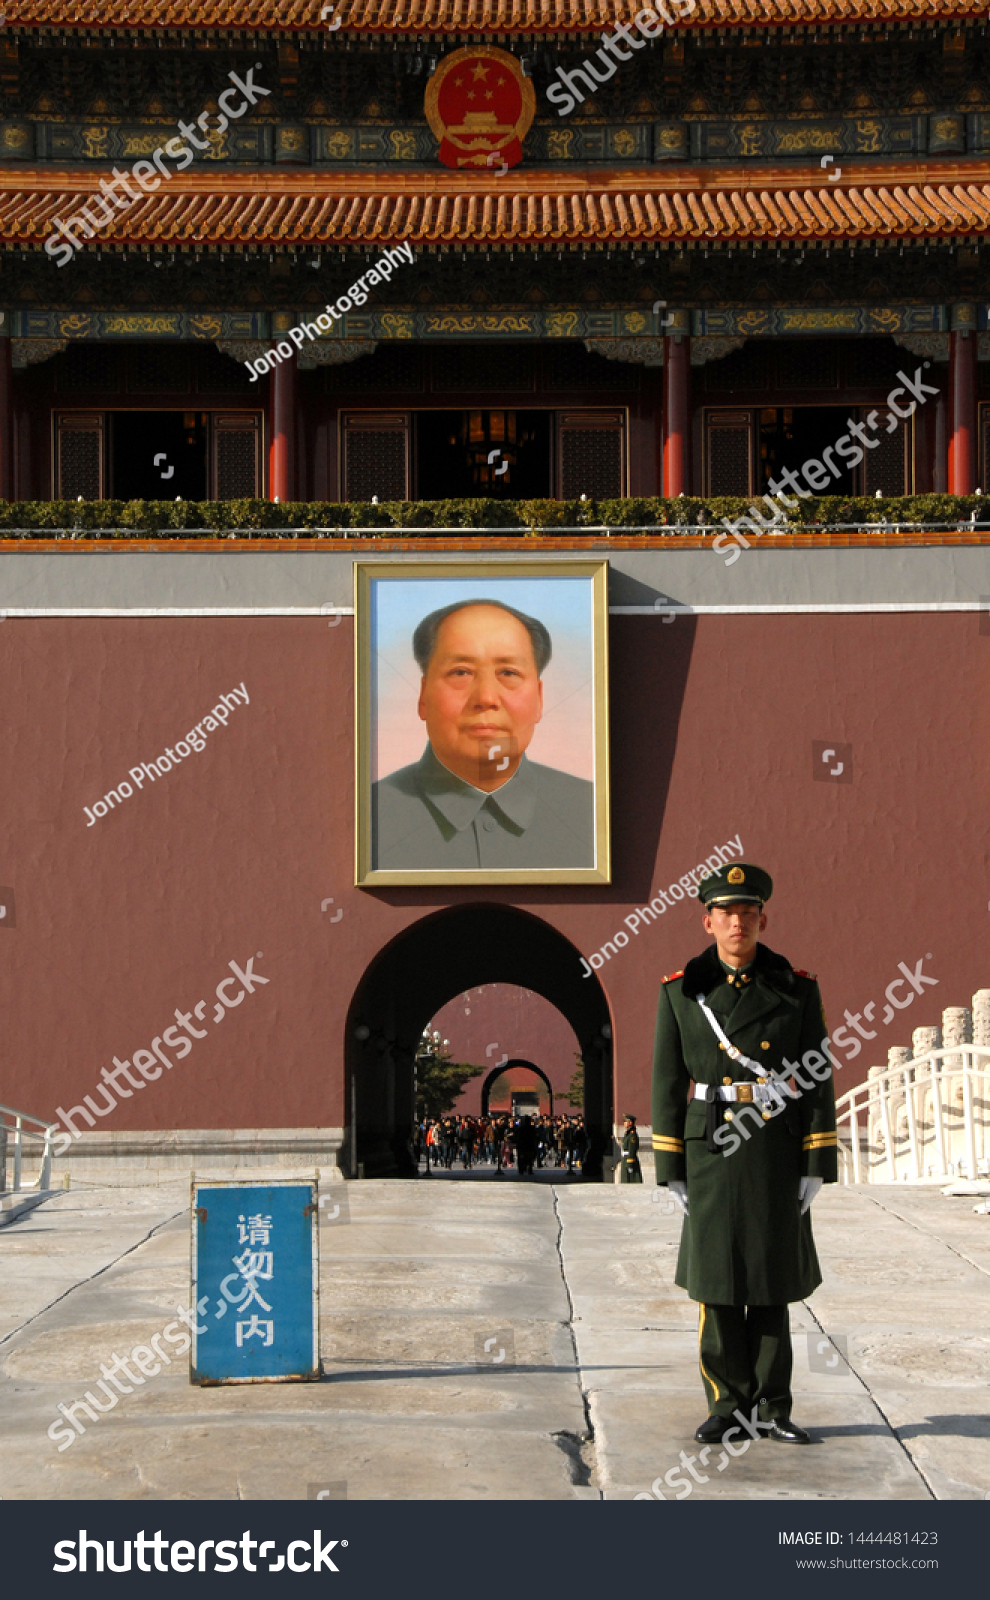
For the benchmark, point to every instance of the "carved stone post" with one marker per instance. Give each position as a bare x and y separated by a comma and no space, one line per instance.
981,1017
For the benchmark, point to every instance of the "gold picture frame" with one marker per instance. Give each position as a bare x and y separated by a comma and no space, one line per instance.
403,833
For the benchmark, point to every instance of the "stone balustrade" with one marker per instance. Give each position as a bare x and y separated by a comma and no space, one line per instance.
920,1126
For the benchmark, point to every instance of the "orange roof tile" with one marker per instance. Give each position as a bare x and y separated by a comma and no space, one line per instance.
885,200
466,16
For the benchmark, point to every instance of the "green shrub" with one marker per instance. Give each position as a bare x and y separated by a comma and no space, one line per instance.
176,519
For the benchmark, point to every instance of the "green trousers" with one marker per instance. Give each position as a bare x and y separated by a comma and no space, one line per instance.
746,1359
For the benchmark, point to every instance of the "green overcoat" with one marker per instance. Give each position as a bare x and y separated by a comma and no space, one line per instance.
630,1171
744,1241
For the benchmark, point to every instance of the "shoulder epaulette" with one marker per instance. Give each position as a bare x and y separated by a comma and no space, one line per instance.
672,975
800,974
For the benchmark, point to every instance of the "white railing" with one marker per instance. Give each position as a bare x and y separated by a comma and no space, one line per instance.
929,1117
12,1123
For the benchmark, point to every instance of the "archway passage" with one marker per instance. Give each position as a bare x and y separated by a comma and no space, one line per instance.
491,1083
409,981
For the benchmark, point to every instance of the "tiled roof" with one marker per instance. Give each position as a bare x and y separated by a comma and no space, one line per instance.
888,200
466,16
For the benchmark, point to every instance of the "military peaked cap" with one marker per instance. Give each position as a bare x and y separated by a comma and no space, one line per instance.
738,881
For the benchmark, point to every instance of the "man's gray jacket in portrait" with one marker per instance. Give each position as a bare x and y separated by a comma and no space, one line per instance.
424,817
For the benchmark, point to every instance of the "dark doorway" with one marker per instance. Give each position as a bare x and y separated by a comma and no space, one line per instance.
790,435
158,455
453,450
438,957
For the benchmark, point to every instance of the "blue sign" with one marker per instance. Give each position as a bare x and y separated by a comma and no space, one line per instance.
255,1283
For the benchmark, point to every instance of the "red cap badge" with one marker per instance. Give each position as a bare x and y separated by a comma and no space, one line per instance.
480,107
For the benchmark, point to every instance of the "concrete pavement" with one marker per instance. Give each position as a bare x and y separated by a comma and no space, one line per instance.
598,1392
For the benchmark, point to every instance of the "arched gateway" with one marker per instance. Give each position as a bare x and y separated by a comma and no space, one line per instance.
507,1066
418,972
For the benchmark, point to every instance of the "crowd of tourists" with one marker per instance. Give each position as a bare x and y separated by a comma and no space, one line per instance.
500,1141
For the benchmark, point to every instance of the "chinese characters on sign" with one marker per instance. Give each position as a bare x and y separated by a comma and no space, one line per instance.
255,1270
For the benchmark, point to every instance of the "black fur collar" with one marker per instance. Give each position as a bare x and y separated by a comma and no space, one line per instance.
704,972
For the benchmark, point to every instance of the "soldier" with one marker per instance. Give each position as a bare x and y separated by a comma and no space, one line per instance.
630,1171
743,1136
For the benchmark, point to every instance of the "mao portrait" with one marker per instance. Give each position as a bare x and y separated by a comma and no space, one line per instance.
482,700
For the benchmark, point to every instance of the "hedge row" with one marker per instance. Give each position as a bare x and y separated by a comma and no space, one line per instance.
184,518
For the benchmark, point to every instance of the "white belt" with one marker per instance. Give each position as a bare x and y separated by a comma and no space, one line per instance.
759,1094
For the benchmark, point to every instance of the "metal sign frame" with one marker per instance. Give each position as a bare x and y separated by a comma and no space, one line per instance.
199,1210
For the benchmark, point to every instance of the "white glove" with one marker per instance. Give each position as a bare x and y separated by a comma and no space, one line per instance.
807,1190
678,1189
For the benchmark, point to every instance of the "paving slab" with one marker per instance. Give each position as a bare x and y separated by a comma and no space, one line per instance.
599,1393
404,1411
903,1311
74,1236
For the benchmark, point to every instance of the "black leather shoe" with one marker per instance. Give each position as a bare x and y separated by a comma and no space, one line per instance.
785,1432
714,1429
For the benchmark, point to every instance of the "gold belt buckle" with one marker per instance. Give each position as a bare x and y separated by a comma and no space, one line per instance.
744,1091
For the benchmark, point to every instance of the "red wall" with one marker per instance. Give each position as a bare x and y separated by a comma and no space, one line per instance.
498,1022
233,852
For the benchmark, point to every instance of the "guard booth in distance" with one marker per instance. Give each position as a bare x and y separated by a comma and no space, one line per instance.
255,1282
525,1103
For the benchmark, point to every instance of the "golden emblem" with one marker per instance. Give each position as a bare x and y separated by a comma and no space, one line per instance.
737,875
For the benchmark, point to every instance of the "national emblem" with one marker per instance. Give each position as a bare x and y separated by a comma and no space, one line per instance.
478,103
737,875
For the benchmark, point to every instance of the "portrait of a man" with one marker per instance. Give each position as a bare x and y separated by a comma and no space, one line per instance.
487,677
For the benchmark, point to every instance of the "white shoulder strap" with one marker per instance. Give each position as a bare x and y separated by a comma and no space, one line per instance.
730,1049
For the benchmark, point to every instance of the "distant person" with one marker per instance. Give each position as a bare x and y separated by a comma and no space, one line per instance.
630,1171
474,799
525,1140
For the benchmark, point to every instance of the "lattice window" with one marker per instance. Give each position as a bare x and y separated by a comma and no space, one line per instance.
157,369
393,369
217,373
376,455
591,454
92,368
806,364
495,368
729,452
984,448
237,456
748,368
871,363
569,366
887,467
79,455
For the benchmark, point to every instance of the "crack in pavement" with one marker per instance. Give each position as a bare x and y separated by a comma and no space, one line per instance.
93,1275
873,1401
890,1212
574,1447
858,1375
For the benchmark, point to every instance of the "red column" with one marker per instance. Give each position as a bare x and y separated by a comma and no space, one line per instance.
962,391
940,470
281,464
676,418
6,422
